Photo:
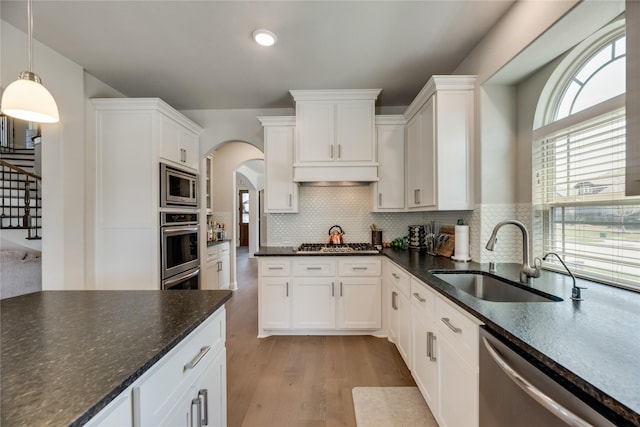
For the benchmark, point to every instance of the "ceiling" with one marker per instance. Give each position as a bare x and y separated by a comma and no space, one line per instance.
200,55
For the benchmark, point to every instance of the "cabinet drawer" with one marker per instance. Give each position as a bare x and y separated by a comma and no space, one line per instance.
172,376
423,299
317,266
398,277
212,252
223,248
459,330
275,267
360,266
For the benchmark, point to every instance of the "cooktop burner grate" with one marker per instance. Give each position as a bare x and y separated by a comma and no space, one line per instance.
326,248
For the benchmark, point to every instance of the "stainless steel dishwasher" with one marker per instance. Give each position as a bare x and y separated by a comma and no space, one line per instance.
513,392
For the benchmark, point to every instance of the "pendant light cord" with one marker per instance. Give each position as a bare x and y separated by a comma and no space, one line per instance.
30,34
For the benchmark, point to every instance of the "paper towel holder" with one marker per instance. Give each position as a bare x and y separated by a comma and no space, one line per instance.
461,255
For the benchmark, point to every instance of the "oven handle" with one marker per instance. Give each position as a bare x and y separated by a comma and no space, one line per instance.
181,230
170,282
547,402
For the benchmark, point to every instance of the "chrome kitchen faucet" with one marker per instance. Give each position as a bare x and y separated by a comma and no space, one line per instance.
526,271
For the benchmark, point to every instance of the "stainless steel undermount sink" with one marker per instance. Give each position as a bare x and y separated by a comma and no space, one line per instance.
492,289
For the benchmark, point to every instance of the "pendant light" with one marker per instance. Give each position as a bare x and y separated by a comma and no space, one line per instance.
27,98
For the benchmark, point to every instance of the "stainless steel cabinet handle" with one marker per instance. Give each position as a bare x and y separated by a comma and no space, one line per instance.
219,265
359,268
551,405
416,196
196,402
331,149
275,268
379,199
290,199
418,297
394,295
287,288
447,322
340,288
339,151
314,268
430,339
194,362
204,393
333,289
395,276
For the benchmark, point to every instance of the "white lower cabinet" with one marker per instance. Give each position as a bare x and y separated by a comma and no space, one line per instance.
314,303
398,290
444,351
313,294
217,267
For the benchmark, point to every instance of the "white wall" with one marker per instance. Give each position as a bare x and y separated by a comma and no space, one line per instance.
62,157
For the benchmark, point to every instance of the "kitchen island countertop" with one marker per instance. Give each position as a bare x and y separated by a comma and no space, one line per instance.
66,354
592,346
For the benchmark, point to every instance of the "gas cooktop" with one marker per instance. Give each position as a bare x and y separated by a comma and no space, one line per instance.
329,249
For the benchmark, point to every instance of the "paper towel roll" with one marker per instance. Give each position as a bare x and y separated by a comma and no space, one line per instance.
462,243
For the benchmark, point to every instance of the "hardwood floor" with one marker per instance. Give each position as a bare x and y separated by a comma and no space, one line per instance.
301,380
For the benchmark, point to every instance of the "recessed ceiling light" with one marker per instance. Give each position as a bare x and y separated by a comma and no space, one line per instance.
264,37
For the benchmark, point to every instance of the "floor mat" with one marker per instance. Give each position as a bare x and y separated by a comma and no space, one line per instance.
391,407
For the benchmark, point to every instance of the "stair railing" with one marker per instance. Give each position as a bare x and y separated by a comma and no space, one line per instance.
21,204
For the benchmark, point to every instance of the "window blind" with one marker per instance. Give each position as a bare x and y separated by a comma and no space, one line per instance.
579,180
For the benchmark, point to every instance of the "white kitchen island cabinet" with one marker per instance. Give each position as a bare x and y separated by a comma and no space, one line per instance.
281,192
335,135
123,236
327,295
190,379
440,131
398,289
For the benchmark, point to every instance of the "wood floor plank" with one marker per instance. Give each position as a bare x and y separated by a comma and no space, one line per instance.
301,381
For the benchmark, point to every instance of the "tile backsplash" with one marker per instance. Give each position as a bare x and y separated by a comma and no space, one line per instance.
349,207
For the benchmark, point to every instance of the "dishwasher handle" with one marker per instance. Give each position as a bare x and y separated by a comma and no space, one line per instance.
547,402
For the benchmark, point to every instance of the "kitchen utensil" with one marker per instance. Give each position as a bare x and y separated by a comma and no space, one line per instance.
336,236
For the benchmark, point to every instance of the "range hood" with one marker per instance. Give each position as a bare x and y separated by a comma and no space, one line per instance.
322,173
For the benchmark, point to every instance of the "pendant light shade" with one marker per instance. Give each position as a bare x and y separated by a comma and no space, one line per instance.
27,98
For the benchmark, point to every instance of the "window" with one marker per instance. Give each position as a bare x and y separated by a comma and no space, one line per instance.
580,208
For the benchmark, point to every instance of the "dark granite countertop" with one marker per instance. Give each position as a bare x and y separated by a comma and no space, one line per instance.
290,251
592,347
216,242
66,354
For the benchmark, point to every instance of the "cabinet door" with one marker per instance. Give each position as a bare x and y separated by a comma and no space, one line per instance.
314,303
275,302
413,171
224,277
281,193
354,131
458,388
425,359
315,131
389,190
359,303
210,281
190,146
170,139
211,390
404,327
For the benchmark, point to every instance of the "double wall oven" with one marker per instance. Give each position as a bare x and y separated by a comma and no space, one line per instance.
179,229
179,241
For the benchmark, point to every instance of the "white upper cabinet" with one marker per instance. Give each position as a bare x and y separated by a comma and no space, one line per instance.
439,166
388,192
281,193
178,144
335,135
